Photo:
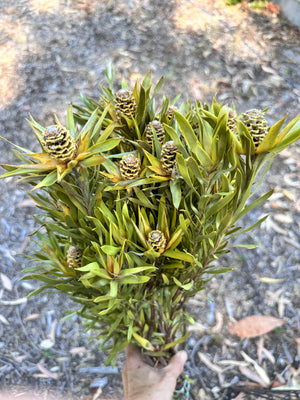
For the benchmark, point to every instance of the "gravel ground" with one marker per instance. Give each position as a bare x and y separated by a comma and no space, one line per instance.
50,51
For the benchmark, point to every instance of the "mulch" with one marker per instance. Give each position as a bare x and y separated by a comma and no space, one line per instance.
50,52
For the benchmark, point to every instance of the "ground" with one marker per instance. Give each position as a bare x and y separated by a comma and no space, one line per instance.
50,52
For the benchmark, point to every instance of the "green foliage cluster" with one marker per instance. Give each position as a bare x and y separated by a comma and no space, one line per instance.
129,291
253,3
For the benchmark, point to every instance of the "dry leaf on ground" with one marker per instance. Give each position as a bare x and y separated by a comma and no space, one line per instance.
6,282
3,320
46,373
255,325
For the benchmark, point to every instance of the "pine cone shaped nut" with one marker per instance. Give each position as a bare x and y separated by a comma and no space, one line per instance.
257,125
74,257
170,114
58,143
168,156
125,103
159,129
130,167
232,122
157,241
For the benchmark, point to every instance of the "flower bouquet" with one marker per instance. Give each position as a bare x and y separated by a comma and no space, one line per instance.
138,202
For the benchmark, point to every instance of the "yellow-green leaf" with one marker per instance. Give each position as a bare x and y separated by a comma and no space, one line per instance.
186,130
270,138
179,255
186,286
49,180
93,161
143,342
178,341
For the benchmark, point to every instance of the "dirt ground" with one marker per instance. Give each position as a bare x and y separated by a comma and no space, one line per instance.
53,50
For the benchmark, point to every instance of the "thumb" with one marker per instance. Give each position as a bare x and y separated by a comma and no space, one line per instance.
177,362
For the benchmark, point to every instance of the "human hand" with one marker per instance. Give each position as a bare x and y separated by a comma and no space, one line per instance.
143,382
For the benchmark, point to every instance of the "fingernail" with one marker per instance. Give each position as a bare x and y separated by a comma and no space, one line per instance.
182,355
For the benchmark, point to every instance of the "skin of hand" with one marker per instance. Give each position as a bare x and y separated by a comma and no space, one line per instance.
143,382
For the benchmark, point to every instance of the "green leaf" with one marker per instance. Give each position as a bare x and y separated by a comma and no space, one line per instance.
93,161
158,86
178,341
194,168
39,290
46,279
107,131
70,121
290,138
247,246
15,171
179,255
141,106
172,265
219,205
101,299
186,130
62,231
152,159
90,123
109,73
116,323
255,203
175,239
176,192
294,124
70,315
95,268
104,146
111,250
246,139
135,279
113,288
49,180
175,137
66,288
209,117
146,84
217,271
202,156
186,286
99,123
270,138
136,270
183,169
22,149
257,223
74,197
143,198
147,181
107,213
220,137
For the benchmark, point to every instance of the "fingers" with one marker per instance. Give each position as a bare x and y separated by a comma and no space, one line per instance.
177,362
134,358
132,351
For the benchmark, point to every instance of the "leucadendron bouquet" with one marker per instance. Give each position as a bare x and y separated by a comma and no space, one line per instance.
138,202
